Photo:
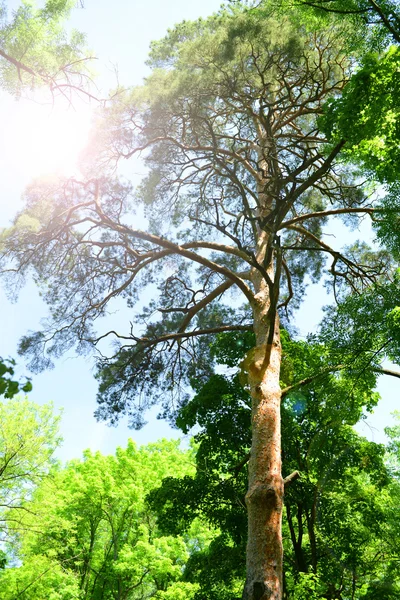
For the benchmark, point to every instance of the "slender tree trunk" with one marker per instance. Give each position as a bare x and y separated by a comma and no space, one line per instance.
300,561
311,518
264,498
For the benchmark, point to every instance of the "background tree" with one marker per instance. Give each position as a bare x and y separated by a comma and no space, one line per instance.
242,179
89,525
367,116
28,438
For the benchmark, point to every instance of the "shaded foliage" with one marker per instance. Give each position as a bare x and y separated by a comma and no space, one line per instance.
335,514
9,387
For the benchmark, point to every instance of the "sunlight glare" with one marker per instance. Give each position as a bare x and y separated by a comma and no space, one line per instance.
49,140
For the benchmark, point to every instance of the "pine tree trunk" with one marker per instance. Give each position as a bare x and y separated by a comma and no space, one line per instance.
264,498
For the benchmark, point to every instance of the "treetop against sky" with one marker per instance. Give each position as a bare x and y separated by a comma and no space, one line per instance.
131,62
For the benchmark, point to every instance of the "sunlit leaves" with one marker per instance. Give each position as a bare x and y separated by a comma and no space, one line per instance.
36,51
28,438
387,222
365,328
91,522
367,115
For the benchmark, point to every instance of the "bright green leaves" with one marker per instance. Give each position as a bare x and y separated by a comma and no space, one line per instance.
40,579
387,221
28,439
29,436
306,586
178,591
365,328
88,531
367,115
393,325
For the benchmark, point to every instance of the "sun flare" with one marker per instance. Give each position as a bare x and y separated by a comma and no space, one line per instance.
49,140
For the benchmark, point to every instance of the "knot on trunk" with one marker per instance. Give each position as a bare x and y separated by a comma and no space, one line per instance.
264,494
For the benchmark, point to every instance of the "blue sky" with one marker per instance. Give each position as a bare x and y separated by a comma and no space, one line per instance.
119,34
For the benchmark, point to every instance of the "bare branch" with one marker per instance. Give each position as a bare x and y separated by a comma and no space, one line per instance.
326,213
181,250
203,303
19,65
173,336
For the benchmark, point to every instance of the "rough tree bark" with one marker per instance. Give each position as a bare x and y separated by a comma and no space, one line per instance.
264,498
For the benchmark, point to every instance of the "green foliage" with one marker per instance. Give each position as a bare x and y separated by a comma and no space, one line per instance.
367,115
28,439
8,386
307,587
90,523
42,579
379,19
387,223
335,515
178,591
229,348
36,50
365,328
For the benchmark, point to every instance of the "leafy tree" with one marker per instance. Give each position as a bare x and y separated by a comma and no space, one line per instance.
42,579
382,14
89,522
35,50
28,439
243,176
367,116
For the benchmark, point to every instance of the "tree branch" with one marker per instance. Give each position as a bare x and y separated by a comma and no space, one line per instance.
325,213
291,478
177,249
199,148
319,5
173,336
318,173
312,378
202,303
377,9
286,482
19,65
